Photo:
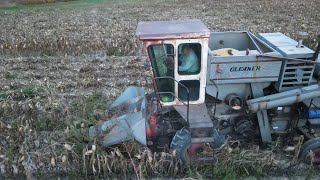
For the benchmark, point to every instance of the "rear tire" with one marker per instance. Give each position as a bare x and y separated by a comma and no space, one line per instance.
180,143
311,145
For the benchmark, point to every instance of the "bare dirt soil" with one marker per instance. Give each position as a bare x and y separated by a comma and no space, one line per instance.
62,65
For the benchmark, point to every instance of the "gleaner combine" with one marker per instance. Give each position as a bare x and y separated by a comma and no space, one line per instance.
240,84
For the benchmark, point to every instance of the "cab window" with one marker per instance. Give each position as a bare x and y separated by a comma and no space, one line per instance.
193,87
162,62
189,58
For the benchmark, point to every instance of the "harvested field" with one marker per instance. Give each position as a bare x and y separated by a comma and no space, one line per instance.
109,27
62,65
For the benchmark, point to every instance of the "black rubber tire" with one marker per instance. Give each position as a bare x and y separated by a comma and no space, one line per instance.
181,142
307,147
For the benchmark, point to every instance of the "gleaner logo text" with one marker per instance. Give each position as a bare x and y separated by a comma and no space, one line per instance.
246,68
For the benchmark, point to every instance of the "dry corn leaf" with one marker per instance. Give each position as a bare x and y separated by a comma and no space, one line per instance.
117,151
15,169
67,146
37,143
64,158
289,148
53,162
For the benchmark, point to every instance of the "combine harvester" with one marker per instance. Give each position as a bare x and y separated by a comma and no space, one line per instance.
240,84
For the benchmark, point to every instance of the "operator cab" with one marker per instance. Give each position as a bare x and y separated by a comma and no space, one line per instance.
177,52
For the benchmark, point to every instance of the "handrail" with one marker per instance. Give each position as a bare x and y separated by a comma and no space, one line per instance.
188,104
169,77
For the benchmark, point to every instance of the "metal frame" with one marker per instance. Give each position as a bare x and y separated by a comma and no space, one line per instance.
201,76
188,104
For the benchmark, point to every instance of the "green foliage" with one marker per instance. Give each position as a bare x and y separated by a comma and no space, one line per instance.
311,42
88,107
225,172
21,93
40,5
233,165
9,75
191,173
28,2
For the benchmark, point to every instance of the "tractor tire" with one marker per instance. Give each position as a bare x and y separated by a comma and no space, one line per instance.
180,143
311,145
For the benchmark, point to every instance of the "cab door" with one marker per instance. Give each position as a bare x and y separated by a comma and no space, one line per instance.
162,60
186,72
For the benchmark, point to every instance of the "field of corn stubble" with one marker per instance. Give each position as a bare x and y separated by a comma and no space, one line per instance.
62,65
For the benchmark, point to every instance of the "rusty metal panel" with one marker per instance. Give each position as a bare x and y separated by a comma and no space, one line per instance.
177,29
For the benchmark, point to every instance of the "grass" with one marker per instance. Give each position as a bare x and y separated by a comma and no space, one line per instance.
311,42
29,2
9,75
233,162
90,108
21,93
49,118
59,5
226,173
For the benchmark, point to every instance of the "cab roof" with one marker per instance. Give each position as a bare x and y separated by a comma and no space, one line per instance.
177,29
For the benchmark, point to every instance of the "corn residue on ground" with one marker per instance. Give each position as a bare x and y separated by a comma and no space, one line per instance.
63,64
